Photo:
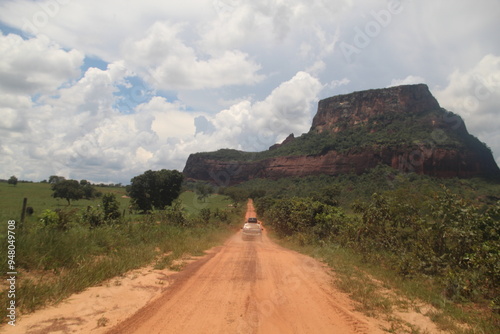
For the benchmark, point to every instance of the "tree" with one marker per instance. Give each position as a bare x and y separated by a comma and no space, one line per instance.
203,190
111,207
67,189
12,180
236,194
89,191
328,195
155,189
53,179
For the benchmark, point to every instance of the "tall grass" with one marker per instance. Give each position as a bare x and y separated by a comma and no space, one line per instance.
53,263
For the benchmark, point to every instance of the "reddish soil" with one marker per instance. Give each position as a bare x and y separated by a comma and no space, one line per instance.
250,287
239,287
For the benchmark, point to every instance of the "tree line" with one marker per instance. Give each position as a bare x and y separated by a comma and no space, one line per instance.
148,191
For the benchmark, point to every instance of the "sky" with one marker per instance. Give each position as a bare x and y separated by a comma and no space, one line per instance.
105,90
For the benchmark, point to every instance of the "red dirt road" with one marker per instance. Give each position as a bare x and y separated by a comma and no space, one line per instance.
250,287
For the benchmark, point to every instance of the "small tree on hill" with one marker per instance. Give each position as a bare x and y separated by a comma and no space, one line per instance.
155,189
12,180
89,191
72,190
67,189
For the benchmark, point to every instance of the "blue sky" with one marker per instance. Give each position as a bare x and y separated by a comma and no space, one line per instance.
104,91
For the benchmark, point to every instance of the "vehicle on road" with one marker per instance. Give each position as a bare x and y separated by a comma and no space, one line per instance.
252,230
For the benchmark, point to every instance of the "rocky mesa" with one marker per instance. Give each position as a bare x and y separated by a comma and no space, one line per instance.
403,127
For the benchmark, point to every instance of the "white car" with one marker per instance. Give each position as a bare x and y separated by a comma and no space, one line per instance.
251,230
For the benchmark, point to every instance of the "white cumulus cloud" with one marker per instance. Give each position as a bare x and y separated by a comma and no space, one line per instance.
36,65
104,90
168,63
474,94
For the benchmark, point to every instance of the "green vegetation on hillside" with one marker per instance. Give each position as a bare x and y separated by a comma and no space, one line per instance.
353,188
395,131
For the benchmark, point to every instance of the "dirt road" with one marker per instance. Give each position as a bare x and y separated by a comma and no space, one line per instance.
250,287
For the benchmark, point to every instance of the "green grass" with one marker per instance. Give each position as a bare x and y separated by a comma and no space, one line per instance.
39,197
193,205
53,263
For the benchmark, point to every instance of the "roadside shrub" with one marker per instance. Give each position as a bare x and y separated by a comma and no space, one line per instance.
305,215
443,236
263,205
111,207
454,242
221,215
205,214
174,214
49,218
93,216
58,219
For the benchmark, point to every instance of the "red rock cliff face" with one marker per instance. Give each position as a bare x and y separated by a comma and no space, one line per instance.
435,162
343,112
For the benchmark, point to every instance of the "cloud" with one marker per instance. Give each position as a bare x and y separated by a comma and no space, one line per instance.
74,130
255,126
475,95
96,27
249,125
168,63
201,75
409,80
36,65
79,133
170,119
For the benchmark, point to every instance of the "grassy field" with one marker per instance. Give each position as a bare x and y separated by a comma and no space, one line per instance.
193,205
39,197
53,263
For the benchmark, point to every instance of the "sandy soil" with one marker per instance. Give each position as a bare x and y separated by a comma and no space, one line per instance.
97,308
250,287
240,287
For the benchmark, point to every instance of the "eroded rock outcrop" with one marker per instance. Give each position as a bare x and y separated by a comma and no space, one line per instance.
403,127
337,113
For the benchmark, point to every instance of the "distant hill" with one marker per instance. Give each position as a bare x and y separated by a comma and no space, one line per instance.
403,127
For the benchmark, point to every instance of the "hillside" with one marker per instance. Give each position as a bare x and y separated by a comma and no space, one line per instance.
403,127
